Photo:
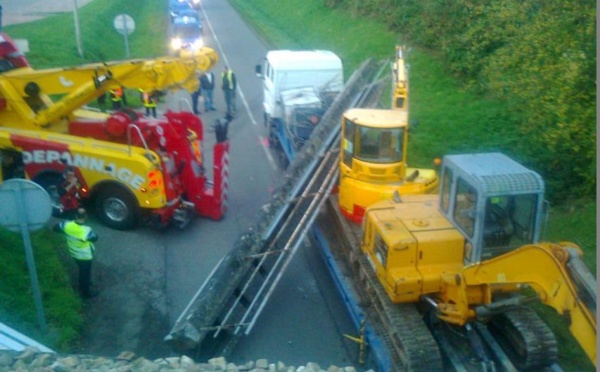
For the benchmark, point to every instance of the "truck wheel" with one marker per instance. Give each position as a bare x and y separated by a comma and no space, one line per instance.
50,183
117,208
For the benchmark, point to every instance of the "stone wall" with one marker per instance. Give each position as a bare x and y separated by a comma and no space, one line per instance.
31,359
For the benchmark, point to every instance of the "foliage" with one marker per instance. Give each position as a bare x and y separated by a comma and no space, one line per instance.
571,222
538,56
62,307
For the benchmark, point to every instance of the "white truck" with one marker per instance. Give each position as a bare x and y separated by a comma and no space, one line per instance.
298,87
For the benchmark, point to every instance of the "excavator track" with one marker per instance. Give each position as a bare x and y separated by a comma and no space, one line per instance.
407,338
527,340
413,344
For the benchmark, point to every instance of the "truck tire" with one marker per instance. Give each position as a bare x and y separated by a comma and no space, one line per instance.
50,183
117,208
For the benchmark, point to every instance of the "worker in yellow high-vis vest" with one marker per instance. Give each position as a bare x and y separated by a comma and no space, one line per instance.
229,86
149,100
80,241
116,97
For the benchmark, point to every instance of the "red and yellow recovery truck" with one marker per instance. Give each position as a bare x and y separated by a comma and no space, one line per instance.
131,168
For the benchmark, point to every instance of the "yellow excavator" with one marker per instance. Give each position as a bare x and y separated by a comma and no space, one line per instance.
459,268
374,147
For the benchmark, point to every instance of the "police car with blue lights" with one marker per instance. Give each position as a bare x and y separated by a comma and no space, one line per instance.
186,33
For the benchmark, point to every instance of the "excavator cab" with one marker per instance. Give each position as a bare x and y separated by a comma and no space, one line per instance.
496,203
373,161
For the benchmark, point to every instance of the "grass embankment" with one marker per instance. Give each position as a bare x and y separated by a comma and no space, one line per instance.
446,117
62,307
49,48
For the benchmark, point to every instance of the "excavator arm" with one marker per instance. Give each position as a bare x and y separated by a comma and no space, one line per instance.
554,277
82,84
400,89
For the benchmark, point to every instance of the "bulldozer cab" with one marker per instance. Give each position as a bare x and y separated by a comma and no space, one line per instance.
496,203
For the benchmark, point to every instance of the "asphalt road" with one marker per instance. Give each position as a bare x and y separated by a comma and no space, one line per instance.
147,277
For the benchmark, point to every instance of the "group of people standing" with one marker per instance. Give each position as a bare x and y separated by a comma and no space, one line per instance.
206,91
206,87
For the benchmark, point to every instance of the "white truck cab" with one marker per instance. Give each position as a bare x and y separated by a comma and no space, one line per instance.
285,70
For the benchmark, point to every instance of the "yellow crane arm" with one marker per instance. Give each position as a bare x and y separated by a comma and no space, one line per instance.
82,84
544,267
400,89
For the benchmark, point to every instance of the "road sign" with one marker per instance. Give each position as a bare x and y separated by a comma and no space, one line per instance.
22,198
124,24
26,206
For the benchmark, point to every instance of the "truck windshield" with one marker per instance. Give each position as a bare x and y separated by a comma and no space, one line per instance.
378,145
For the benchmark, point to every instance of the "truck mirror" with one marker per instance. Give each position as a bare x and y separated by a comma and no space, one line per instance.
258,70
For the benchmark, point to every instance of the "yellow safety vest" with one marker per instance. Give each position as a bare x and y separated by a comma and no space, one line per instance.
77,240
116,94
148,99
229,78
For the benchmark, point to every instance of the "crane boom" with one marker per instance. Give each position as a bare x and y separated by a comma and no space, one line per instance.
26,91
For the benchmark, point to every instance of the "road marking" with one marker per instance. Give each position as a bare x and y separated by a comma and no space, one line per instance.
239,90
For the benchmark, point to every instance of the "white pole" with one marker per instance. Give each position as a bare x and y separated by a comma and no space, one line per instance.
77,30
125,35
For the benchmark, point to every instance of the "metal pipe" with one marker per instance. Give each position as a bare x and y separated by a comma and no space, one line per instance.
430,301
324,190
280,258
77,30
139,132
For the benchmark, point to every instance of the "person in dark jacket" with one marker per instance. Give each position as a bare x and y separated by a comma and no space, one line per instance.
195,97
207,84
68,190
